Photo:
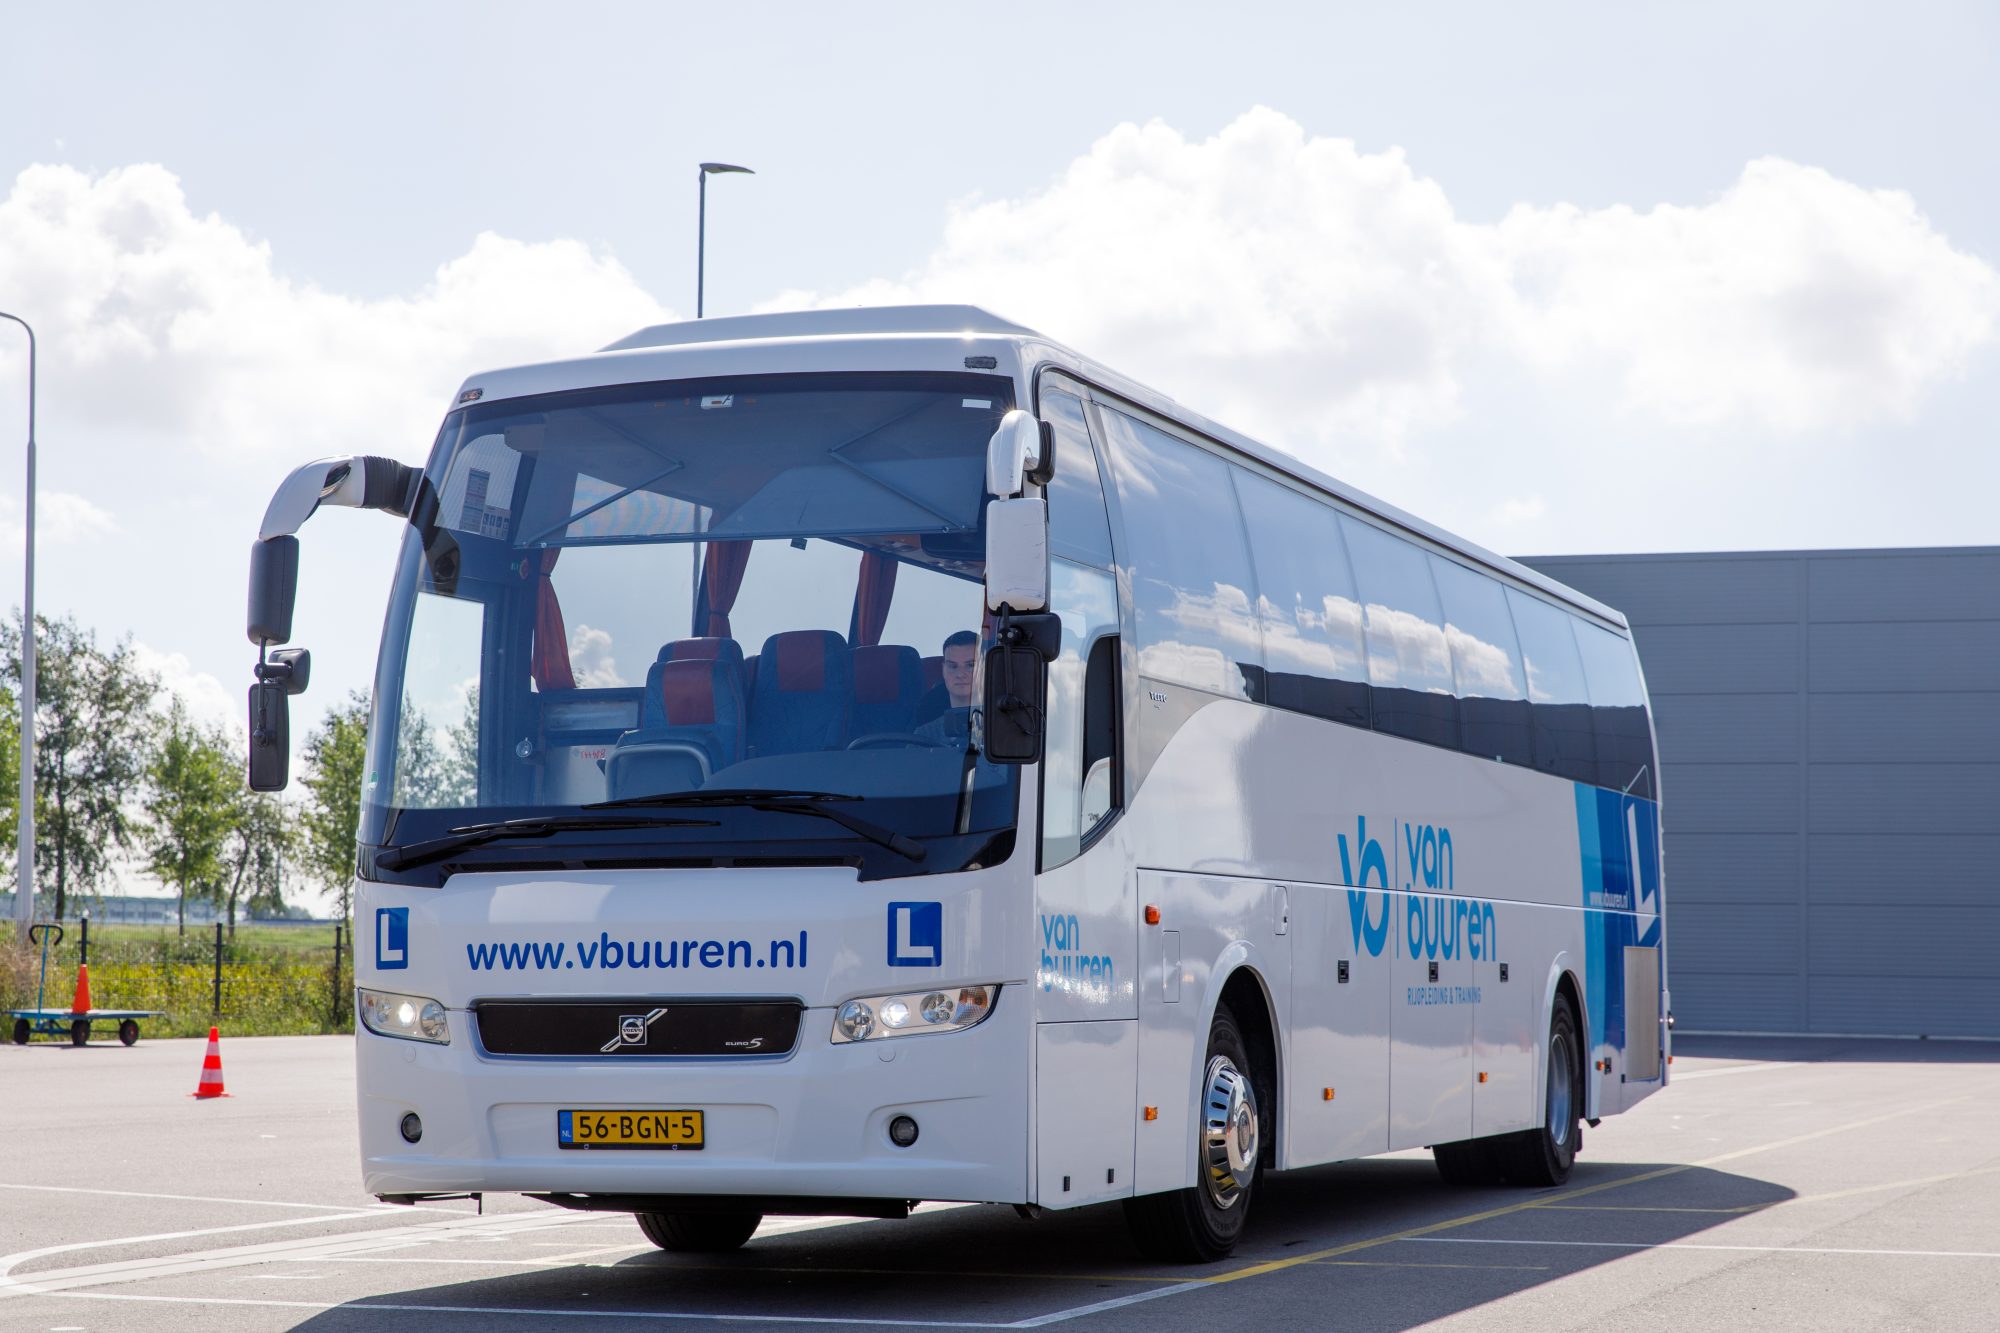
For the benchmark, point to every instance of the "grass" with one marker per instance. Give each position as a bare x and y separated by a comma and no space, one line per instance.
276,980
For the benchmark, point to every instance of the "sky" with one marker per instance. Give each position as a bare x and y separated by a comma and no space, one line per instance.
1560,277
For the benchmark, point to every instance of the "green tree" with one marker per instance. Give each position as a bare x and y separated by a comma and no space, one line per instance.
336,756
192,799
94,729
254,858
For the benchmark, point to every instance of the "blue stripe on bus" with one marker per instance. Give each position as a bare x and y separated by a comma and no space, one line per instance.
1618,846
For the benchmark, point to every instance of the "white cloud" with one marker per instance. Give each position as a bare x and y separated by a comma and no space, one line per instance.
60,518
208,701
1314,293
153,318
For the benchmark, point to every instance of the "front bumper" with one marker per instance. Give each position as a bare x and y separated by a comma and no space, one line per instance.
814,1123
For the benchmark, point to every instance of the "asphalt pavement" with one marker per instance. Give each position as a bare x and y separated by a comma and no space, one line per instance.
1776,1184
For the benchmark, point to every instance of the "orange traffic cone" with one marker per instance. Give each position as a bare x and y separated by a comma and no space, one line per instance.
81,1005
211,1069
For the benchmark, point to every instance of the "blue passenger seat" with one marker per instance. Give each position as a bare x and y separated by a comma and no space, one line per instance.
803,692
691,724
888,681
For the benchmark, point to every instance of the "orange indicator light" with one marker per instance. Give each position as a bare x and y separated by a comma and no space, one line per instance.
1326,1094
1152,1113
1152,915
1482,1076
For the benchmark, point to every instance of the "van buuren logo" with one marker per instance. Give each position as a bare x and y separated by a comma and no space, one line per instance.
1437,922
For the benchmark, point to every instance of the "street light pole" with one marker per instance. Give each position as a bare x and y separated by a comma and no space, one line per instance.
701,226
24,881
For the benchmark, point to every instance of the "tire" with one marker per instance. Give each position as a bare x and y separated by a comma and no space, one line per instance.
128,1032
1543,1157
79,1032
1202,1223
22,1032
698,1233
1469,1162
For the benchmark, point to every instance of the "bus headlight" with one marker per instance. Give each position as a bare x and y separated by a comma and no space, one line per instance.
410,1017
948,1009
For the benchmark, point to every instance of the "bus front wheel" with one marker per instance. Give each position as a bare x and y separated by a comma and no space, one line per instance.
1203,1223
1544,1156
699,1233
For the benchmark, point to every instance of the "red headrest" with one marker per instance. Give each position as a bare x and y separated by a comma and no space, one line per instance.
687,688
878,673
800,657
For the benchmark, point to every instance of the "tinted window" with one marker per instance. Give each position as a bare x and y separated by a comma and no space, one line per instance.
1190,570
1077,527
1558,698
1408,662
1618,711
1486,665
1314,658
1086,600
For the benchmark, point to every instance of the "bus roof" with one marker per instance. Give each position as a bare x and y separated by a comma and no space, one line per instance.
1036,350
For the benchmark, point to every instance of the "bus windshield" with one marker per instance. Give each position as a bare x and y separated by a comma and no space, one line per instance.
670,594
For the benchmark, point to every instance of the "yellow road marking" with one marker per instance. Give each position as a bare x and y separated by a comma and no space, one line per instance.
1453,1223
1634,1208
1383,1263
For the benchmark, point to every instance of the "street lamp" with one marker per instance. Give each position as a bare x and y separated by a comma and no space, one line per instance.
701,227
24,882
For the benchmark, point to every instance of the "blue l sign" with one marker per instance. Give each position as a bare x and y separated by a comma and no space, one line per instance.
916,934
392,938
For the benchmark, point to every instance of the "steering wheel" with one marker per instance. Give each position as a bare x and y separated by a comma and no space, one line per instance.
880,740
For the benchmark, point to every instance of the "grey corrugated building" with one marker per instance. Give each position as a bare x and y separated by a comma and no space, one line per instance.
1829,729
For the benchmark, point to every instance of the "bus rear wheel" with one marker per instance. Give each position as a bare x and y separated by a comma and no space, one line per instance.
1203,1223
699,1233
1544,1156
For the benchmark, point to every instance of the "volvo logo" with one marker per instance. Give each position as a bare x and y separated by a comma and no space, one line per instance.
632,1030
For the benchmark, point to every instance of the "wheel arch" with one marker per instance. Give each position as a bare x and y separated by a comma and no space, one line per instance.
1247,992
1563,979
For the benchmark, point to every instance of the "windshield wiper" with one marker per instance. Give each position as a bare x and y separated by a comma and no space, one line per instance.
779,800
533,826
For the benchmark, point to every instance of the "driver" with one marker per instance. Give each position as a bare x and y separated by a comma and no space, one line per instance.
951,705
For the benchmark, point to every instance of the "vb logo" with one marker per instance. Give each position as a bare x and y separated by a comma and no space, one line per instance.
1373,933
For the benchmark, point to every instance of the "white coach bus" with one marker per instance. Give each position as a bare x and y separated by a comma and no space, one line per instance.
703,878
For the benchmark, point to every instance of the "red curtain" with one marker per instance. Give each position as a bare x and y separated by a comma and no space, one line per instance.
548,664
722,578
872,591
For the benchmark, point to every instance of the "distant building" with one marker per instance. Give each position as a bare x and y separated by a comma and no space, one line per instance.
1829,730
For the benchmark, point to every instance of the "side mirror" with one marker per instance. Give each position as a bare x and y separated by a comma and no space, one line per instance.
1021,450
274,586
270,736
1016,690
1017,554
291,667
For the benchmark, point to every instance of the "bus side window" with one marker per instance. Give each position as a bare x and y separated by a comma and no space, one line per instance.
1617,711
1314,658
1078,529
1409,664
1103,785
1078,780
1486,659
1191,583
1557,696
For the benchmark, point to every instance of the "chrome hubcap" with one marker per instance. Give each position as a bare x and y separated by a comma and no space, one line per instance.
1228,1132
1562,1078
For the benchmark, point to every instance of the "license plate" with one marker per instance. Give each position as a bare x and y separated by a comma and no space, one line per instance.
628,1129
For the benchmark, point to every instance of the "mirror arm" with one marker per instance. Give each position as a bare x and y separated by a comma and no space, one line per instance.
357,482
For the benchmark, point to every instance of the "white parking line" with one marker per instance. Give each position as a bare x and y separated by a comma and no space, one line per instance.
204,1198
316,1247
